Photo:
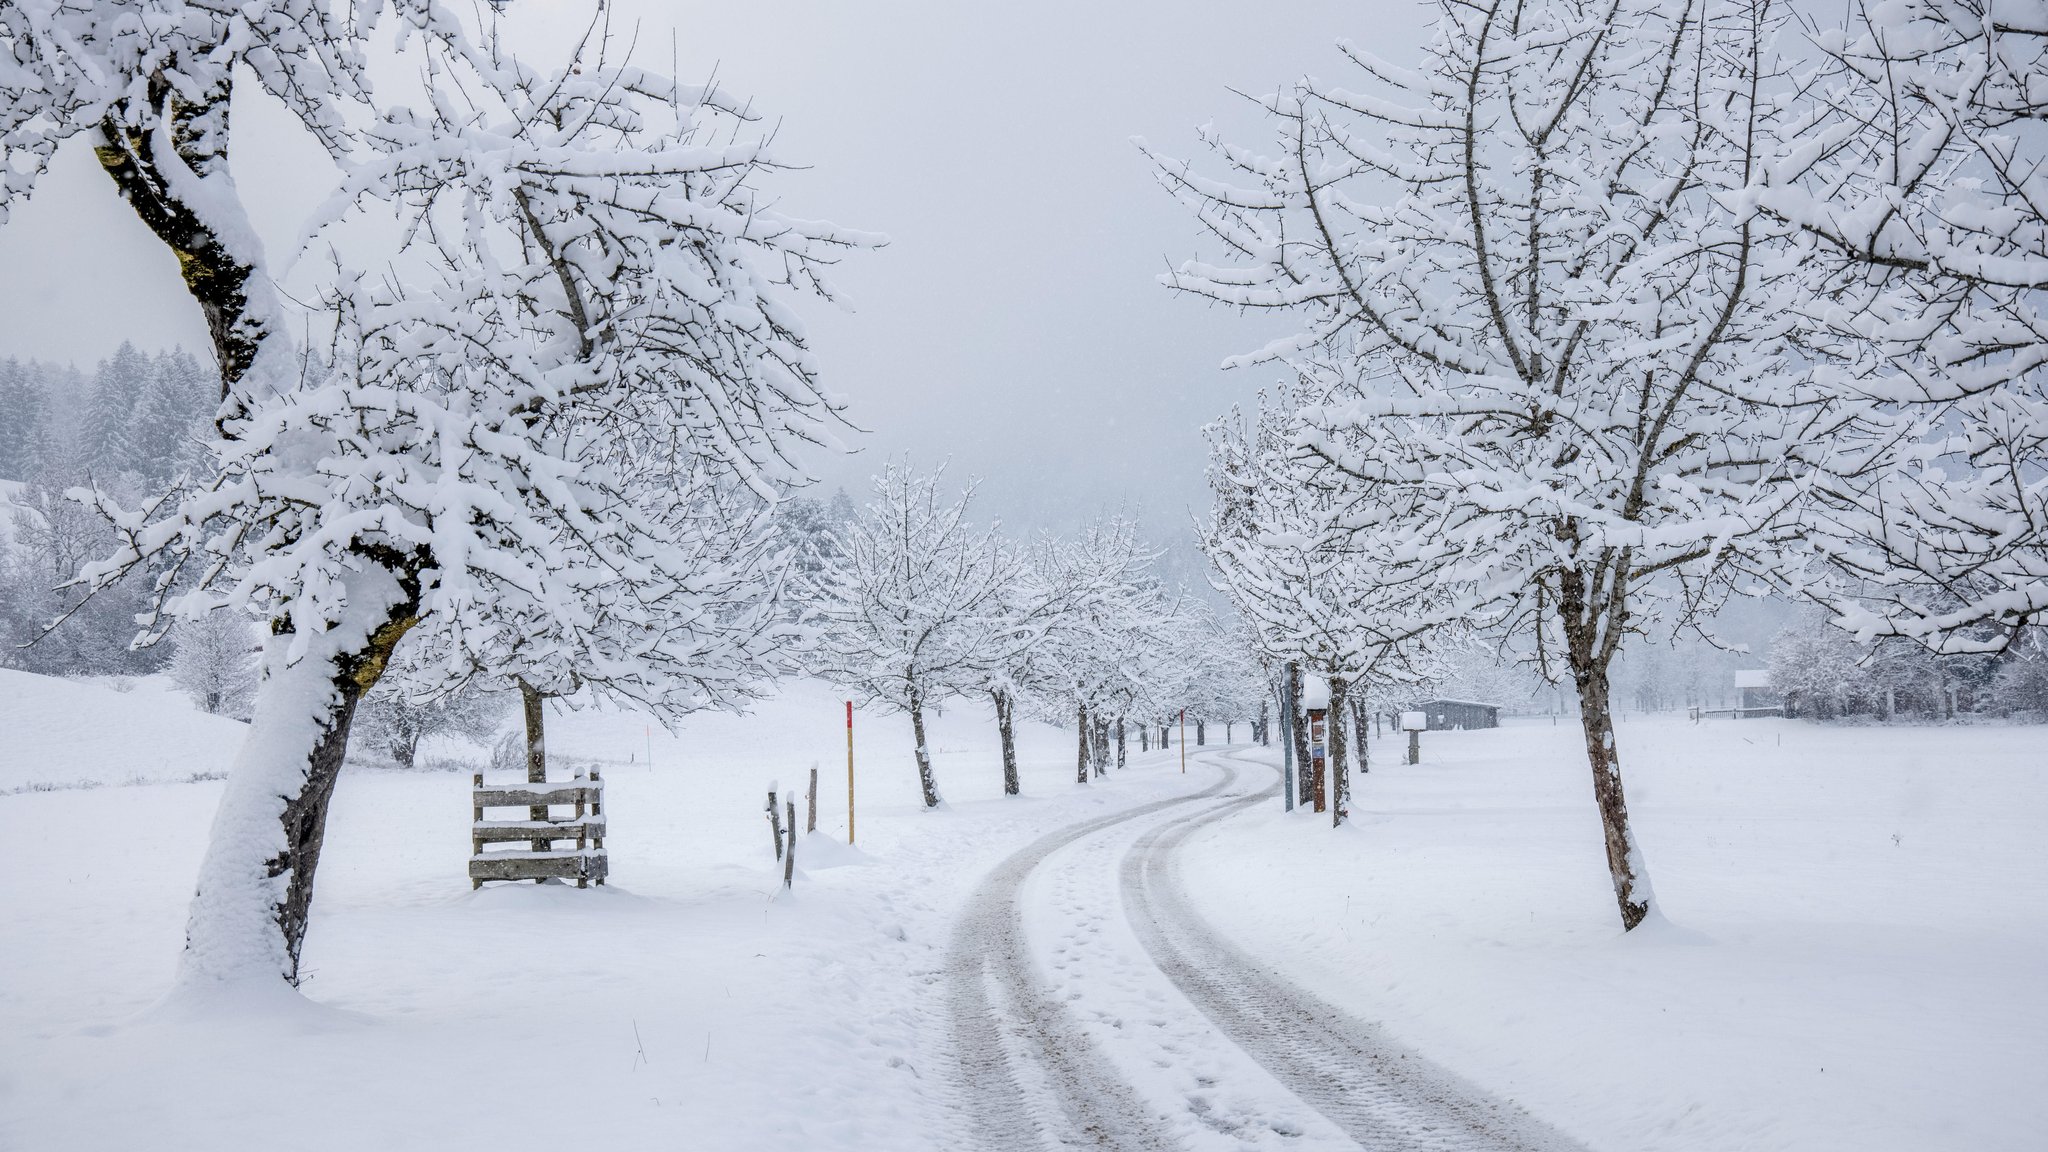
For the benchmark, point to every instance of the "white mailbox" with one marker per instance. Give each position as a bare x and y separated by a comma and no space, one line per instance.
1414,721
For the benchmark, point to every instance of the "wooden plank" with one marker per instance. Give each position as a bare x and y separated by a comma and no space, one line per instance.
512,796
503,831
590,865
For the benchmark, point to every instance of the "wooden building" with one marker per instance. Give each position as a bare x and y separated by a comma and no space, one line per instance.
1456,715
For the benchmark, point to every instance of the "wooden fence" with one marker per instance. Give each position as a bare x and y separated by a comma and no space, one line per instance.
540,832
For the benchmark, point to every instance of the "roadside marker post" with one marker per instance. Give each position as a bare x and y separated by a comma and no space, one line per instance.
1414,723
849,772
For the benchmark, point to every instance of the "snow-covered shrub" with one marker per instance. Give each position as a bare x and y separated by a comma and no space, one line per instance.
213,660
393,720
2020,686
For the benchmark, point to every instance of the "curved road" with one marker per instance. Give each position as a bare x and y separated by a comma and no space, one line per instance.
1032,1078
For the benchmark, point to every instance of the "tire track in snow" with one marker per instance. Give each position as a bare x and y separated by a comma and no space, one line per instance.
1381,1094
1028,1072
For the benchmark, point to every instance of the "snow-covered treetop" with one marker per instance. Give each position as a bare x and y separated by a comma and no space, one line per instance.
563,417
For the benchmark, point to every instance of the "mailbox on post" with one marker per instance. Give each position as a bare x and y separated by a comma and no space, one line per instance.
1413,723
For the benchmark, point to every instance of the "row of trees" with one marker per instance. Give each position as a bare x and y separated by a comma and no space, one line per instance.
917,606
1617,308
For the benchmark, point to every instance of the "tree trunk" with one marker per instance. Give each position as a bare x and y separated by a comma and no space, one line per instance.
1120,750
925,779
255,890
1100,745
1263,733
1144,737
1592,636
1081,726
532,707
1340,780
1363,729
221,280
1298,729
1005,728
1201,733
1286,714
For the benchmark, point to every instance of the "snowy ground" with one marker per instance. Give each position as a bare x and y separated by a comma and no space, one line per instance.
1872,902
1855,960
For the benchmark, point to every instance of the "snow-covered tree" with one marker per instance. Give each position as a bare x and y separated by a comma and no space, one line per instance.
24,413
1120,648
1326,584
916,614
542,441
394,721
213,660
1545,341
1923,188
107,435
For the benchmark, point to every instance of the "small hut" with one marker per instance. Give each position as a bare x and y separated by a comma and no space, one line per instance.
1758,698
1458,715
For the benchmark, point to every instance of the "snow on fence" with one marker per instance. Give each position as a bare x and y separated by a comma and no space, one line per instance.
540,860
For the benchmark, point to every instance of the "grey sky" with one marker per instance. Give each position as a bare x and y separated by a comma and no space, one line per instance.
1013,323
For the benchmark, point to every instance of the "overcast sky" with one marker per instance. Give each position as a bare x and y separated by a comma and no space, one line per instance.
1013,323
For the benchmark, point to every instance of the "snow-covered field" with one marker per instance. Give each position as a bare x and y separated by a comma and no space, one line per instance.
1856,959
1860,916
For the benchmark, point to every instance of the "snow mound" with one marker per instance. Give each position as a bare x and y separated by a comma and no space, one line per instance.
818,851
79,734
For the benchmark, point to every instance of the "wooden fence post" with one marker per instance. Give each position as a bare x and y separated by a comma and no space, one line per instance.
775,822
476,843
789,857
810,805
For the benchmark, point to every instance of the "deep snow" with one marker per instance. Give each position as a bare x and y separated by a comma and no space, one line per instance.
1853,958
688,1004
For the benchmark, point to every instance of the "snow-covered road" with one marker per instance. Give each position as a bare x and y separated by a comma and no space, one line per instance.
1090,1006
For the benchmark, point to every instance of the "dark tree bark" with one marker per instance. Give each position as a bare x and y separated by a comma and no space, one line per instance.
1286,714
1201,733
1359,725
305,814
1298,727
1594,615
1340,779
215,278
1081,727
533,709
925,779
1120,750
1005,727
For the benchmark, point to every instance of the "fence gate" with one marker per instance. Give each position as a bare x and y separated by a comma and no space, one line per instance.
537,858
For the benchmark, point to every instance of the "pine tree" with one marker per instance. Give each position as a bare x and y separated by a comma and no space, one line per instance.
107,437
23,413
